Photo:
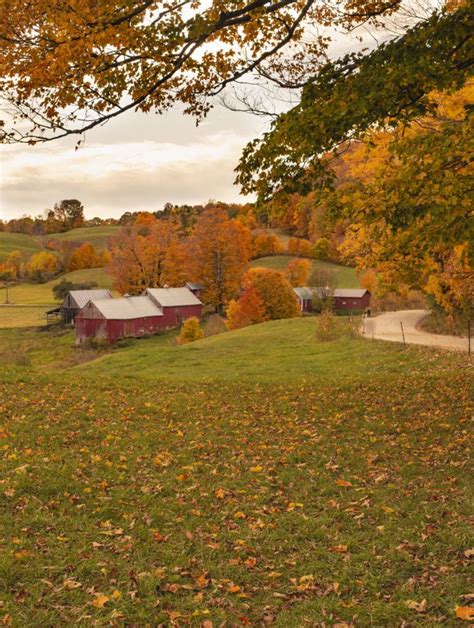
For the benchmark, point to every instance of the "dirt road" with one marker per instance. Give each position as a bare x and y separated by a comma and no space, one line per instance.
387,326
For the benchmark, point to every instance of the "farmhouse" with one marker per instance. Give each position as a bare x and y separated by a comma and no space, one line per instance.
133,317
177,304
75,300
343,298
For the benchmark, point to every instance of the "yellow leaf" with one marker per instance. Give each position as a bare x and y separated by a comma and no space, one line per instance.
220,493
100,600
342,482
256,469
419,607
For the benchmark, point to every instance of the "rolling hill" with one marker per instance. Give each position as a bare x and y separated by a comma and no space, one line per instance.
258,477
344,275
23,242
97,236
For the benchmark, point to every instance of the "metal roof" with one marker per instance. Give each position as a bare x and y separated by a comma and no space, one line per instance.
126,308
173,297
194,286
350,293
307,293
81,297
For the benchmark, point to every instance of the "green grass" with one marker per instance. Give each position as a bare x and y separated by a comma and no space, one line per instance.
23,242
345,276
42,294
97,236
256,476
22,316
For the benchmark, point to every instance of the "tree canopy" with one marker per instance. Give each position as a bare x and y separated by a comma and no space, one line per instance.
66,67
346,97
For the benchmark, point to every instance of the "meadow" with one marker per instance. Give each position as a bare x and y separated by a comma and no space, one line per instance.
256,477
344,276
18,242
97,236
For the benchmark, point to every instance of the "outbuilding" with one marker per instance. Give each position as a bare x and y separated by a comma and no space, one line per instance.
196,288
112,319
342,298
177,304
75,300
351,299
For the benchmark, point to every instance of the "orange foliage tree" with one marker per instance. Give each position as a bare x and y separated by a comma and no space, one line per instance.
265,244
219,257
85,256
248,310
297,272
139,254
275,291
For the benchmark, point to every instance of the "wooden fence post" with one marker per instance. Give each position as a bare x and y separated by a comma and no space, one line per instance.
469,337
403,333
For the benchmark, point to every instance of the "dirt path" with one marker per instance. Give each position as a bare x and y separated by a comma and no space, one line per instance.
387,327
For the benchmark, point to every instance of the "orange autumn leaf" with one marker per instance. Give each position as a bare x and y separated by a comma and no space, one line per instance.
100,600
465,612
341,482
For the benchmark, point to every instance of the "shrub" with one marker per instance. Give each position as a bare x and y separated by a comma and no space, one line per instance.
190,331
327,327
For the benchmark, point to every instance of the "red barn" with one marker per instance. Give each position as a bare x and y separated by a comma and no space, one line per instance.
342,298
112,319
351,299
177,304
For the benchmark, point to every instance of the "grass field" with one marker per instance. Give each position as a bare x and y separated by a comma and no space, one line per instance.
18,242
41,294
257,477
345,277
97,236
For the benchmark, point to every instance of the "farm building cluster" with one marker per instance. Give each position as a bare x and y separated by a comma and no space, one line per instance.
97,315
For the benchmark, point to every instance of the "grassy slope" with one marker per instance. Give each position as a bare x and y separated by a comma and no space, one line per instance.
18,242
253,476
345,276
41,294
97,236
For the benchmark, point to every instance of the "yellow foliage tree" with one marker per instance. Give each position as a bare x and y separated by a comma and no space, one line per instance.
190,331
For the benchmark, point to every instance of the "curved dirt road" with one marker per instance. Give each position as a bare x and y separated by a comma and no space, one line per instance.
387,326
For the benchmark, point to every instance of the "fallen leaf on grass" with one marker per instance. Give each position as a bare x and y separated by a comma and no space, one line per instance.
419,607
342,482
100,600
338,549
70,584
465,612
469,553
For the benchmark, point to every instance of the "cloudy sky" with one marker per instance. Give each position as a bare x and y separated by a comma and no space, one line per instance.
137,161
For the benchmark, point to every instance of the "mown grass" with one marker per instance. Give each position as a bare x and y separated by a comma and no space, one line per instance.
97,236
344,276
22,316
23,242
42,294
255,477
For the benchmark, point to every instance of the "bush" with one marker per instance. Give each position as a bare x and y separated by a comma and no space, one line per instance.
327,327
190,331
61,289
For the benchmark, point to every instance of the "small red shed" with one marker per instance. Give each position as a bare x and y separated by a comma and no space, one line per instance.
351,299
177,304
112,319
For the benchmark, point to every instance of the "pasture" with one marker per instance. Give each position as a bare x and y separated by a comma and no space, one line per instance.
97,236
344,276
22,242
257,477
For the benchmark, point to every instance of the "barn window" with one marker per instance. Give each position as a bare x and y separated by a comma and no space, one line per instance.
344,303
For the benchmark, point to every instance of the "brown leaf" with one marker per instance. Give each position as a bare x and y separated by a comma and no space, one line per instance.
419,607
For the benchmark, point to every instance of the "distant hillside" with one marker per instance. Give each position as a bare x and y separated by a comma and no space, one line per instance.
42,294
97,236
345,276
23,242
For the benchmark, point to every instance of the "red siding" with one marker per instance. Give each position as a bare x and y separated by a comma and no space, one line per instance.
113,330
174,316
352,303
